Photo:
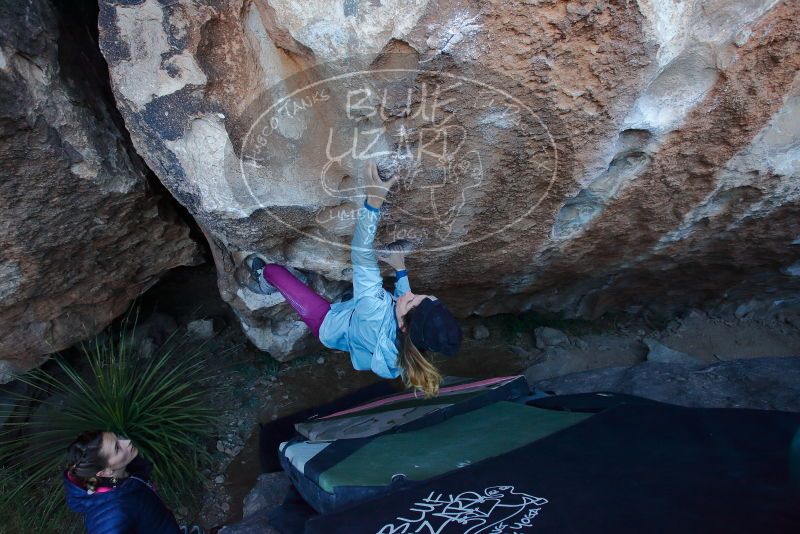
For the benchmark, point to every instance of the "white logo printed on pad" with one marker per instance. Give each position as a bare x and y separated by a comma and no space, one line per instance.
497,510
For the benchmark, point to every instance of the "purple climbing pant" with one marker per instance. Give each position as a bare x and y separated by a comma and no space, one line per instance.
311,307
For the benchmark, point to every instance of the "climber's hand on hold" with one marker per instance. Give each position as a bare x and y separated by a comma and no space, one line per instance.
375,188
396,259
395,253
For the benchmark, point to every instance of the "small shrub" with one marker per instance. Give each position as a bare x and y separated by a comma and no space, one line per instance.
158,402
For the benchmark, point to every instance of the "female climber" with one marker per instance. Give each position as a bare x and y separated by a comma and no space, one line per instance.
106,481
389,334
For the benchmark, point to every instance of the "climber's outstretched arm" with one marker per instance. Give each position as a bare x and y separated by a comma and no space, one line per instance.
394,255
366,273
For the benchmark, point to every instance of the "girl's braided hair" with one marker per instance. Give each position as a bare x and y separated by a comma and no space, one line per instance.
84,456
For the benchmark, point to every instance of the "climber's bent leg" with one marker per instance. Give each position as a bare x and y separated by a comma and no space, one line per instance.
311,307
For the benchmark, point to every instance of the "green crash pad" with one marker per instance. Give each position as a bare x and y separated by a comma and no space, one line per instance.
457,442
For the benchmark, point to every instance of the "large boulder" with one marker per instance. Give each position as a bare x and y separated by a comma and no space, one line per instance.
579,156
83,231
757,383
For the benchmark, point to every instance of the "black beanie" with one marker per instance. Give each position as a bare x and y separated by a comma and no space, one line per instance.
434,328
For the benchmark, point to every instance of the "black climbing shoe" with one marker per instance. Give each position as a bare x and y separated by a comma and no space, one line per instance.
255,265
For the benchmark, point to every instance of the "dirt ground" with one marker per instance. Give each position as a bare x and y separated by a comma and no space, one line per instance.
256,388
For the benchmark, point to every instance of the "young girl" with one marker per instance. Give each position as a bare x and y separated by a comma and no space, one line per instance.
383,332
106,481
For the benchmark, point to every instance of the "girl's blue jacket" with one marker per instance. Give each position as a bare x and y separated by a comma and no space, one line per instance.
366,326
133,507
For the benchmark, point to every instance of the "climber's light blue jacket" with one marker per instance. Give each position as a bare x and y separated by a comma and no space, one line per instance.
366,326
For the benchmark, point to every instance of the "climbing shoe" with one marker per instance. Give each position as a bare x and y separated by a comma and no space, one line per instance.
256,283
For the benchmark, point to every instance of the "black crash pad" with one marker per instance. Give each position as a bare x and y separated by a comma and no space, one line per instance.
632,468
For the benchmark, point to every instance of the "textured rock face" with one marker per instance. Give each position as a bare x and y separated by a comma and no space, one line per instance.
582,156
81,234
759,383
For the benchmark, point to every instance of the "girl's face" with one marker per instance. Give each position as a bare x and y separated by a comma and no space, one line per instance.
405,302
118,453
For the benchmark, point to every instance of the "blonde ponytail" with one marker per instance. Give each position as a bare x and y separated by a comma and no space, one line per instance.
418,372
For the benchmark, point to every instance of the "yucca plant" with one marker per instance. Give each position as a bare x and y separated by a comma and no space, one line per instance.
160,403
